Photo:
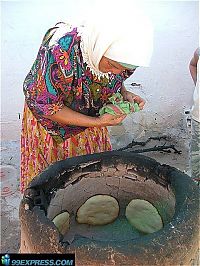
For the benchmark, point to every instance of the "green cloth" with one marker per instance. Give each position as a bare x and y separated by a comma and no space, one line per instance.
118,106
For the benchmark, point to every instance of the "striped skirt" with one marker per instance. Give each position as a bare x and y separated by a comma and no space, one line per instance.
39,149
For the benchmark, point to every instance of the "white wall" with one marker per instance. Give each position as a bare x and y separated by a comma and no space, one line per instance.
166,85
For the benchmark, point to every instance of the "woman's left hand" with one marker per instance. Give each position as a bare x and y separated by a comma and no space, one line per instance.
131,97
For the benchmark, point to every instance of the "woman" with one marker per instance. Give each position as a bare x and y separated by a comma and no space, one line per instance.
74,74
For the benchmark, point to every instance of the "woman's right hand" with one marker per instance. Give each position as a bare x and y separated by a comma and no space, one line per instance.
110,120
68,116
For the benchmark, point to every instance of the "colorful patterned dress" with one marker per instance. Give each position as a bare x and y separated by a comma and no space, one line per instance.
59,77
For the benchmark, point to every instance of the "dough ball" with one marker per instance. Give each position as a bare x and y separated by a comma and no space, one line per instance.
61,221
98,210
142,215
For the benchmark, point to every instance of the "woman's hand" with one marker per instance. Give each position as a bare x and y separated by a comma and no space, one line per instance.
131,97
110,120
68,116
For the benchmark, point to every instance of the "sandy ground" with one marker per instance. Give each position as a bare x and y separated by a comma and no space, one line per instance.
10,198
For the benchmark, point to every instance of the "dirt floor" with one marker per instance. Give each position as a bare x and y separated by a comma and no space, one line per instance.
10,197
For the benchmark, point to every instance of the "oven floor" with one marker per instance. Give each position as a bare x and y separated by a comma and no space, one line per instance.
119,230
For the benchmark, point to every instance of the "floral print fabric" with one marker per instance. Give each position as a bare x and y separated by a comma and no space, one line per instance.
39,149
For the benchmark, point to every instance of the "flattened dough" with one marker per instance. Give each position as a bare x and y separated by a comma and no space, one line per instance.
61,221
142,215
98,210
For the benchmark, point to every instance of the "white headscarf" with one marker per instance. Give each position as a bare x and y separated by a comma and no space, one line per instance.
123,34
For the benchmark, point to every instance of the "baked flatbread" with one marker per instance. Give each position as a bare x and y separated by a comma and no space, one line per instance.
142,215
98,210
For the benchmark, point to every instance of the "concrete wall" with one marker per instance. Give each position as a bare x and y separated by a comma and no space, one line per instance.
166,85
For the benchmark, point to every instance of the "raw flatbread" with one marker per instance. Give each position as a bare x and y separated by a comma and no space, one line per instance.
142,215
98,210
61,221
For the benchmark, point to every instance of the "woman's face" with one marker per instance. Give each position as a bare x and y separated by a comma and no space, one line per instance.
107,65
